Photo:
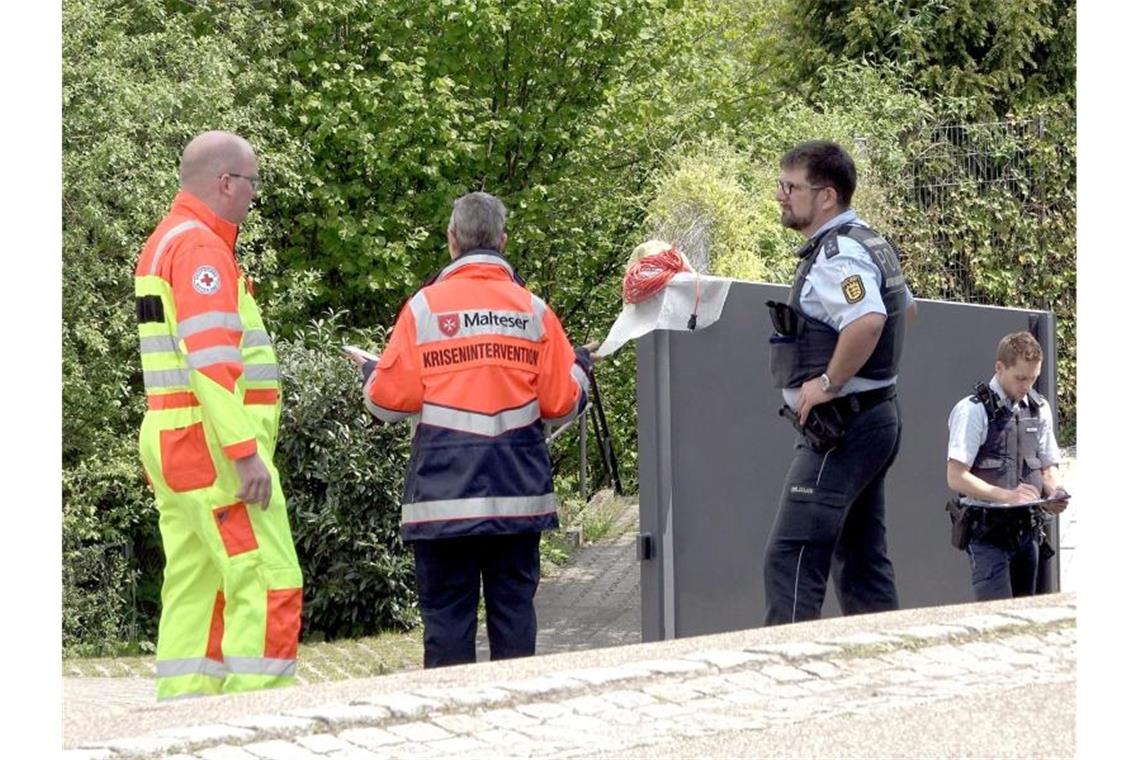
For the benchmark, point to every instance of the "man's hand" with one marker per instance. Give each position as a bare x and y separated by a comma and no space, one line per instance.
256,483
358,356
812,393
1023,494
592,348
1058,501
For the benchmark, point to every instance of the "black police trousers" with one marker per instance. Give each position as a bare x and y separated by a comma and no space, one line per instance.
448,575
1005,570
833,505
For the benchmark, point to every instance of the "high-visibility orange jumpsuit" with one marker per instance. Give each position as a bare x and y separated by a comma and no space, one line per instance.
231,592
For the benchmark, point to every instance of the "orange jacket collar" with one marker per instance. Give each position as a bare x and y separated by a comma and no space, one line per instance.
188,203
480,263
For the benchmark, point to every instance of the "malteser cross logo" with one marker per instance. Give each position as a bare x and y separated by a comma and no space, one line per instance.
449,324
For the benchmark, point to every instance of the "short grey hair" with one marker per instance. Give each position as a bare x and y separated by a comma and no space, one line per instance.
477,221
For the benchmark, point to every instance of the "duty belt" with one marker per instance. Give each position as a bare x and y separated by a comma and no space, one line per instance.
853,403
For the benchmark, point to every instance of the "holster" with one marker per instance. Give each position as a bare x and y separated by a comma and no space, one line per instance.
825,426
961,521
1045,548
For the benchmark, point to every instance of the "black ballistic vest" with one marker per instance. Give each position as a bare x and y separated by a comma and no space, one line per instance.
1010,454
805,354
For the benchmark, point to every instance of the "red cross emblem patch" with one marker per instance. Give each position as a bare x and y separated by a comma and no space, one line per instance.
448,324
206,280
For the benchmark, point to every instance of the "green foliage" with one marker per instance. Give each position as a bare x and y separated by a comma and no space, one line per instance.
343,478
996,54
136,86
403,106
597,122
1004,230
715,202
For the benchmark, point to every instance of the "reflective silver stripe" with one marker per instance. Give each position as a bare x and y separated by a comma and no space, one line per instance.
190,666
261,666
168,238
261,372
164,378
158,344
255,338
208,321
483,506
423,316
207,356
480,258
538,306
580,377
430,325
379,412
480,424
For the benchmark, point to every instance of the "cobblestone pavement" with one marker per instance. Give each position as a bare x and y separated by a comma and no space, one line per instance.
639,699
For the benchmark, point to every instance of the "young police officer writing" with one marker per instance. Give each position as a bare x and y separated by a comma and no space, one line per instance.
1002,452
835,355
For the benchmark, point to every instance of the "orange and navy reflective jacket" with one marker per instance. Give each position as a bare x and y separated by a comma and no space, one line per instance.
201,336
480,364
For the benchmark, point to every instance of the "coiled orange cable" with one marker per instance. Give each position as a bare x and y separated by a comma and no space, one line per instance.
646,277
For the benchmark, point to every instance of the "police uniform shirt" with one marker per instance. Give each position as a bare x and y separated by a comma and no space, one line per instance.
968,427
823,296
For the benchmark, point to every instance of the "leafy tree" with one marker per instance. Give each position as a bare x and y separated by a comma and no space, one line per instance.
137,85
997,55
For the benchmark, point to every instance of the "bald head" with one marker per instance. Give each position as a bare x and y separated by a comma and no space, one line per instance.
213,168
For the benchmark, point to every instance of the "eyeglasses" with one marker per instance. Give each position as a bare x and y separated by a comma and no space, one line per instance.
253,179
787,188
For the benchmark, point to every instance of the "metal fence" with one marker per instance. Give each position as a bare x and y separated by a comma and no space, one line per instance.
998,160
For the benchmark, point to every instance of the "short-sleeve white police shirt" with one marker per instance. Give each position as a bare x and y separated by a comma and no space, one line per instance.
968,426
823,296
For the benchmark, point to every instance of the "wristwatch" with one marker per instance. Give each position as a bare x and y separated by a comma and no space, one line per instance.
825,382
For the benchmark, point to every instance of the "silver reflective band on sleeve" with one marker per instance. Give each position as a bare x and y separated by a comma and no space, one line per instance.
165,378
254,338
482,506
580,376
538,306
261,666
168,238
190,666
158,344
480,424
421,312
379,412
207,356
208,321
261,372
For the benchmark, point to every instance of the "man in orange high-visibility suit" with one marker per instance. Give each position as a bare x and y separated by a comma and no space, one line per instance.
483,363
231,591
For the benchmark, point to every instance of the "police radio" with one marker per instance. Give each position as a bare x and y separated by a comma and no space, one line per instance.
988,400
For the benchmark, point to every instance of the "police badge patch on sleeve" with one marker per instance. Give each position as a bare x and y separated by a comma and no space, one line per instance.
206,280
853,289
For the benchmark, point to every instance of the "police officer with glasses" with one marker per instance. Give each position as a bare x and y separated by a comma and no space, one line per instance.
1002,460
834,355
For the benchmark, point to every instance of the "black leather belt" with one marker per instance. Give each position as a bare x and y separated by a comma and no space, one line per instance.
853,403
